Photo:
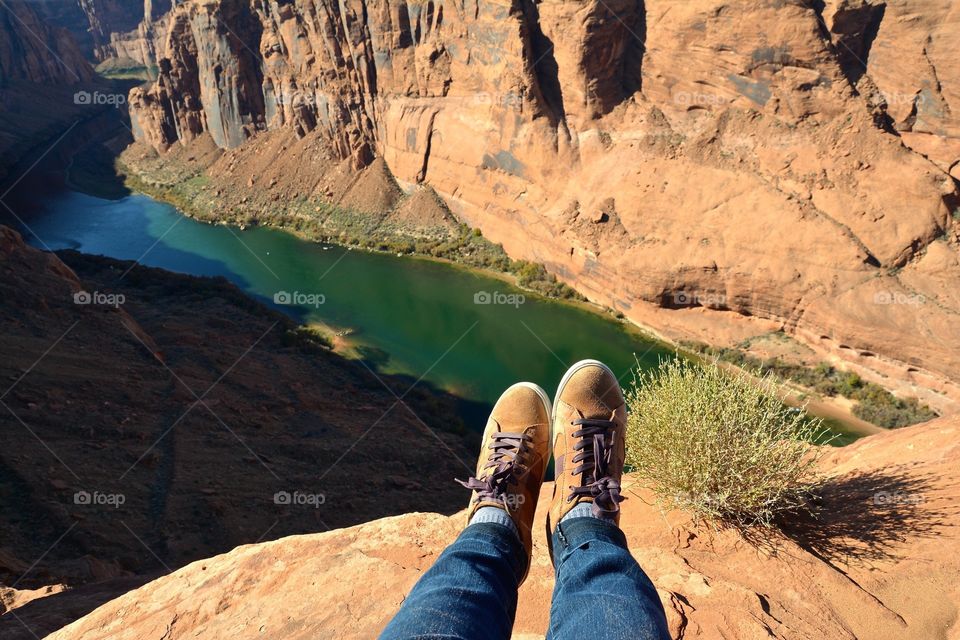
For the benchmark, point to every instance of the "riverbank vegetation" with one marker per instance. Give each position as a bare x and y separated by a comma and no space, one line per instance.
320,221
720,445
308,338
873,403
324,222
126,69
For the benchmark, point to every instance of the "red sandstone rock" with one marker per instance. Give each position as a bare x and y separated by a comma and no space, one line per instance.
753,157
883,563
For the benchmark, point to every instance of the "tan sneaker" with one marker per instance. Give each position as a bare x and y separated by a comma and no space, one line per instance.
589,420
513,458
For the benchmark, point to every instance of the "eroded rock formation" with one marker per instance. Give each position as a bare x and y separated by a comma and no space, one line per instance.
122,28
32,50
780,161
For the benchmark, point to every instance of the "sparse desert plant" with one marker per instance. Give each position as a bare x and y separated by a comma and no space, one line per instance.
873,403
721,445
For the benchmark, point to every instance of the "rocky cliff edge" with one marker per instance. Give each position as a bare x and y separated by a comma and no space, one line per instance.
882,562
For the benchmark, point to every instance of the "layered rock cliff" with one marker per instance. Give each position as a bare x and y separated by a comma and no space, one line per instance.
882,564
34,51
141,44
106,29
119,21
775,165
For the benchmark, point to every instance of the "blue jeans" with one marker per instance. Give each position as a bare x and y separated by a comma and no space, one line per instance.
470,593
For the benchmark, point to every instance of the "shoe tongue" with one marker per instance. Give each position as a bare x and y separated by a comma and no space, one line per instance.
597,414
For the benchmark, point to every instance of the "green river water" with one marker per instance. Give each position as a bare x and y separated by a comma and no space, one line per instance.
459,330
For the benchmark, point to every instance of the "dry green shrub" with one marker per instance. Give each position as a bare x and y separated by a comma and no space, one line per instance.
721,445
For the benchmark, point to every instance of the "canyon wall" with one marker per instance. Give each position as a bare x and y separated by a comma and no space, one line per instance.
67,15
123,28
727,162
140,44
34,51
106,29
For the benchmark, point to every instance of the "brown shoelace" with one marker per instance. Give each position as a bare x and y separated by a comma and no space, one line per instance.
594,452
505,462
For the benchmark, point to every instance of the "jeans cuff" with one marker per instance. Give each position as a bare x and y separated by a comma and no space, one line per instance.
571,534
502,538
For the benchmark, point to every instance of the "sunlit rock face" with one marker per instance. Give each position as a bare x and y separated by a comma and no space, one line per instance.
781,162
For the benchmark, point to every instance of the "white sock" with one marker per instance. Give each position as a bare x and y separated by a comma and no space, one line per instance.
495,515
582,510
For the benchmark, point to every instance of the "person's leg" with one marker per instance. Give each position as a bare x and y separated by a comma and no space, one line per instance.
601,591
470,593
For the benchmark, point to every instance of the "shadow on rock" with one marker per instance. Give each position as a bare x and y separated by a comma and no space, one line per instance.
43,616
868,517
